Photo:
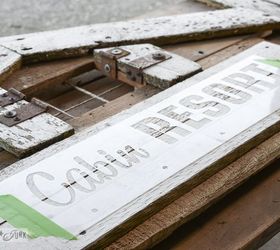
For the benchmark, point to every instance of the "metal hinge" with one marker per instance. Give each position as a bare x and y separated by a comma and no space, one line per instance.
25,111
107,61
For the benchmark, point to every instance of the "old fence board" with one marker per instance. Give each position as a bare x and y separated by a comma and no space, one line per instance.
162,30
177,138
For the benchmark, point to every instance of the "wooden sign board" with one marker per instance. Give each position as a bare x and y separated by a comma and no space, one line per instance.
189,132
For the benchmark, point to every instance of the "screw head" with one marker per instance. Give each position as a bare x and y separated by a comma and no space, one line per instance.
159,56
116,51
107,68
10,114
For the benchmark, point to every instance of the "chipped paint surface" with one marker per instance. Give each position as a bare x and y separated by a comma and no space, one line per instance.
163,30
163,74
9,61
33,134
271,7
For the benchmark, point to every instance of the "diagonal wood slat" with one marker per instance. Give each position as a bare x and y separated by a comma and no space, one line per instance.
79,41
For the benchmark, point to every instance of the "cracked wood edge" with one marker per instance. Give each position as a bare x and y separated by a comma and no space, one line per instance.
31,135
79,41
268,6
9,62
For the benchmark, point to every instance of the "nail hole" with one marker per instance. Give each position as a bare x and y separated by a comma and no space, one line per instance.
108,37
165,167
26,48
83,232
3,55
20,39
200,52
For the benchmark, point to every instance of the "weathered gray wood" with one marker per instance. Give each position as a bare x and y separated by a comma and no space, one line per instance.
9,61
163,30
271,7
224,154
31,135
163,74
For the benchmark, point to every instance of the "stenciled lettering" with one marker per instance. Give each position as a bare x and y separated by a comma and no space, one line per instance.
95,173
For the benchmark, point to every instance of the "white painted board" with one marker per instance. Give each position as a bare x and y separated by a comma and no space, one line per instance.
33,134
271,7
193,139
9,61
78,41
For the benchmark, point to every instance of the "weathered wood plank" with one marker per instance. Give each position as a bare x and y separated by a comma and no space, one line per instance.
245,219
225,143
114,107
226,53
162,75
45,79
31,135
211,56
163,30
268,6
9,62
162,224
38,79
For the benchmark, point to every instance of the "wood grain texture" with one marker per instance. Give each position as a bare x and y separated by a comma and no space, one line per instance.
31,135
163,30
9,62
45,79
86,239
188,206
226,53
271,7
245,219
105,111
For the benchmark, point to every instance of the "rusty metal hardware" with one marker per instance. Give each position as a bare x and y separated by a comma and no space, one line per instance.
10,97
109,61
24,112
134,69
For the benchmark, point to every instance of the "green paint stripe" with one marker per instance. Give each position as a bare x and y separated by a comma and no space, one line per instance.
273,62
29,220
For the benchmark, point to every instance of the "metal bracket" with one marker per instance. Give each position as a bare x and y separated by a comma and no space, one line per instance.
109,61
24,112
130,69
10,97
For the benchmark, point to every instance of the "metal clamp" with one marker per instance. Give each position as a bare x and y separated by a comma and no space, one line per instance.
24,112
10,97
